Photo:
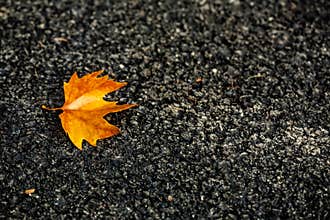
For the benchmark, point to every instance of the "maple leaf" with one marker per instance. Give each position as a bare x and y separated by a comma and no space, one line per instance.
84,108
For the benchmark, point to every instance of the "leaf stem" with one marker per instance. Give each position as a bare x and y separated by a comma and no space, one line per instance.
51,109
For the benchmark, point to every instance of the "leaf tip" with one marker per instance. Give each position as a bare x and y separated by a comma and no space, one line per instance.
132,105
95,74
93,142
78,145
100,72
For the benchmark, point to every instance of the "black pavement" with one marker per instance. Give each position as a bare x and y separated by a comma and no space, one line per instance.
233,119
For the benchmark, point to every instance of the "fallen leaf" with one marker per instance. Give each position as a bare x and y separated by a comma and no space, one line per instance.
170,198
60,39
84,108
199,80
29,191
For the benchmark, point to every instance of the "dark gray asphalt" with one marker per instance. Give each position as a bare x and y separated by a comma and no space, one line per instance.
233,119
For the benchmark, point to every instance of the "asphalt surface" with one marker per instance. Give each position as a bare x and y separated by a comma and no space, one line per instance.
233,119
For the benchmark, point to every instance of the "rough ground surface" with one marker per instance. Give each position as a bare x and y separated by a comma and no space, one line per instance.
233,118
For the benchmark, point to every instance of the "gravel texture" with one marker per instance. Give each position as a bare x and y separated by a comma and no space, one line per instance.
233,119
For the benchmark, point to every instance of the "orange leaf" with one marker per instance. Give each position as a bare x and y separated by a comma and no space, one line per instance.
29,191
84,108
